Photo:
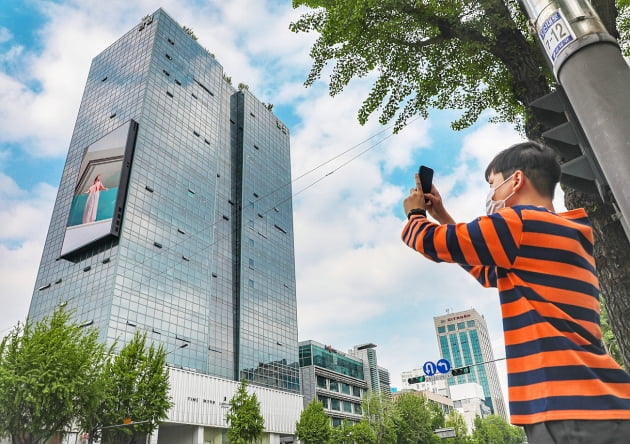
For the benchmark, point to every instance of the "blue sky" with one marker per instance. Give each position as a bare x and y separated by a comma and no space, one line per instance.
356,281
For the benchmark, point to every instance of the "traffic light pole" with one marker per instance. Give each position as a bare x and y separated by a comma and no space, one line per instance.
587,63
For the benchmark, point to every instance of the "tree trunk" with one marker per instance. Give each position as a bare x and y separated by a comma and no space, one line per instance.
612,254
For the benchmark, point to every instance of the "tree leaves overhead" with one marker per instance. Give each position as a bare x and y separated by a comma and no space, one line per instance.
424,55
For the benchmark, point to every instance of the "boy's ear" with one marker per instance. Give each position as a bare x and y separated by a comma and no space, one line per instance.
518,180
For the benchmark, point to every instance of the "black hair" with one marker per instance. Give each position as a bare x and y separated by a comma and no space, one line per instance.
538,162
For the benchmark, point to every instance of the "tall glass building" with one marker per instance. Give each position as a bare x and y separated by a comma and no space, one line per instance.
463,340
174,213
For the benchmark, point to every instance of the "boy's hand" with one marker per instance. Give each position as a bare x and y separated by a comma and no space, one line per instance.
435,207
416,198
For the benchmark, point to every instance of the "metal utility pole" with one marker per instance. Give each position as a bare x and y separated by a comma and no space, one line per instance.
587,62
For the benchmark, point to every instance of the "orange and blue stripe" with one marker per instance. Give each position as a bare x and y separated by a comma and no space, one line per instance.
542,264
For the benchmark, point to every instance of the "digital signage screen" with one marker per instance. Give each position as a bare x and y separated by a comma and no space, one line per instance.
101,189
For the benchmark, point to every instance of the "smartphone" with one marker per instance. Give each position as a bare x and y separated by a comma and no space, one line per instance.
426,178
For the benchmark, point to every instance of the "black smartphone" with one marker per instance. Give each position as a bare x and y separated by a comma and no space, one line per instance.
426,178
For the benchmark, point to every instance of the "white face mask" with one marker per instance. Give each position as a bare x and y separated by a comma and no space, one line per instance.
492,206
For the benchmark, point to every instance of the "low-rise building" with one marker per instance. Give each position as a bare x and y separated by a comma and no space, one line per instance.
469,400
337,379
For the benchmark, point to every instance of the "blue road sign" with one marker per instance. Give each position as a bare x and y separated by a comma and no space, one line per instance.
429,368
443,365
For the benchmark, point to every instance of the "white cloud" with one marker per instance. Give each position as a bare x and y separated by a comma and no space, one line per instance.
25,215
42,118
5,35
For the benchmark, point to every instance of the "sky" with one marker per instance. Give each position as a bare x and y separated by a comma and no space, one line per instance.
356,281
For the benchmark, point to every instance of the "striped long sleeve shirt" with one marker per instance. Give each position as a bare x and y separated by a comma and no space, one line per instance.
542,264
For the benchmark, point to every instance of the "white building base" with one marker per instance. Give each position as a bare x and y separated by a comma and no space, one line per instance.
201,403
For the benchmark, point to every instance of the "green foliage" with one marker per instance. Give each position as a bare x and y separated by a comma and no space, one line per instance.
243,86
378,411
244,418
353,433
437,415
48,375
190,32
314,425
424,55
623,25
414,420
342,434
496,430
136,388
363,433
609,337
457,422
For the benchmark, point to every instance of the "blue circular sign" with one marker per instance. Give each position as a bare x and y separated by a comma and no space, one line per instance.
443,365
429,368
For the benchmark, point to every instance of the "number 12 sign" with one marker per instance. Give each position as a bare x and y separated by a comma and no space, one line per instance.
555,34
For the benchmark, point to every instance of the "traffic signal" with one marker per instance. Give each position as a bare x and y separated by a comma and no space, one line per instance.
562,132
460,371
416,379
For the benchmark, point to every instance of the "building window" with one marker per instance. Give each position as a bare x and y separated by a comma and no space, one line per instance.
345,388
347,406
323,400
334,385
321,382
335,404
451,327
441,329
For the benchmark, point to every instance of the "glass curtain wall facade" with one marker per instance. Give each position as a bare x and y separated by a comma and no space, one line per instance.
204,259
464,341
